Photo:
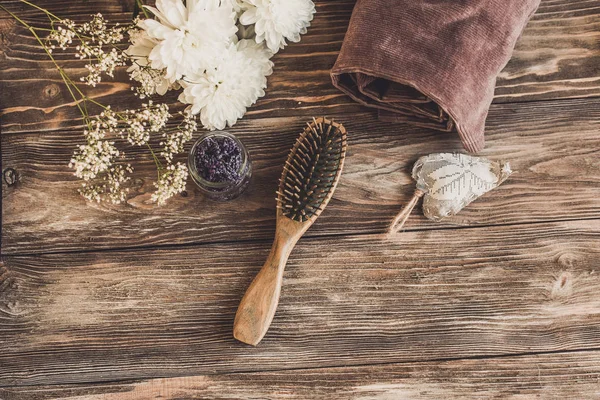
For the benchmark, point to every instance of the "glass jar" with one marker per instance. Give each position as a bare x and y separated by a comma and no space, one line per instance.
220,165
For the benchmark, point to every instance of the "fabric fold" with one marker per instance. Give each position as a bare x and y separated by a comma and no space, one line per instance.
431,63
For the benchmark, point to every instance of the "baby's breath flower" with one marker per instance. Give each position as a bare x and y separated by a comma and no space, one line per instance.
151,80
92,39
100,32
174,141
61,36
93,158
106,64
141,123
97,155
111,187
101,125
171,182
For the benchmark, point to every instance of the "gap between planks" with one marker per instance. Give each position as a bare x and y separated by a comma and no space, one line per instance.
159,312
484,357
70,129
383,233
555,179
552,375
565,68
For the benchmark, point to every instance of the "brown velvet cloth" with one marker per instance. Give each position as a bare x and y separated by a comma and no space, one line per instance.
433,63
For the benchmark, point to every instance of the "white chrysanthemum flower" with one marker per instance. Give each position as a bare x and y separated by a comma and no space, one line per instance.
151,80
277,20
236,5
189,38
259,56
221,94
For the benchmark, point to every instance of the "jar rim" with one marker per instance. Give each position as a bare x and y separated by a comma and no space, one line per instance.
216,185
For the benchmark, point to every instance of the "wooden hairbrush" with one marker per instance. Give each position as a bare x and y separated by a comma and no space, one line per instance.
309,178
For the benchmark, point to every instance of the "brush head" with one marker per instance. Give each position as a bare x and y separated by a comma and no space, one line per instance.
312,170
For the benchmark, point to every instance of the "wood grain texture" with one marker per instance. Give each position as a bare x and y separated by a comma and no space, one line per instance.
547,376
553,147
558,56
74,320
66,8
345,301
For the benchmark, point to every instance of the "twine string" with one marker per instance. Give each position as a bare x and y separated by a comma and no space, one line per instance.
403,215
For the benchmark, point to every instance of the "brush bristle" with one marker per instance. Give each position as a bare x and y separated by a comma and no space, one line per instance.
312,170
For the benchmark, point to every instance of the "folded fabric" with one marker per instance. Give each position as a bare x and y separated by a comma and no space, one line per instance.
432,63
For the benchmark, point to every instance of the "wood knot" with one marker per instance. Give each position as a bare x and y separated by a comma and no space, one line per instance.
8,292
567,260
6,26
51,90
10,176
562,286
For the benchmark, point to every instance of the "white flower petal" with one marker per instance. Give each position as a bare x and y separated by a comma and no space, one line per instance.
278,20
189,40
174,11
249,16
221,95
155,29
162,18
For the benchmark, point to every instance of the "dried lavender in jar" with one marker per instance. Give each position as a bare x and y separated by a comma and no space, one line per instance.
220,165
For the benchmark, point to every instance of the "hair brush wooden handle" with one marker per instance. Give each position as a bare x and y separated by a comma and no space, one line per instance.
310,175
257,308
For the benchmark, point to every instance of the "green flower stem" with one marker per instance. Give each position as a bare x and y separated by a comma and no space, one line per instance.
140,4
48,13
39,40
72,87
159,166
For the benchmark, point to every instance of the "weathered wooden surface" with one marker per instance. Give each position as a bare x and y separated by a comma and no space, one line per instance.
547,376
67,8
553,147
346,301
558,56
95,293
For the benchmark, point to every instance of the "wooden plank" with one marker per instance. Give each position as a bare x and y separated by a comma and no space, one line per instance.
33,98
356,300
553,146
557,57
66,8
548,376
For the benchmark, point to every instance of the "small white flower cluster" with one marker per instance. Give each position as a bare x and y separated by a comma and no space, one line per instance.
174,141
93,37
97,155
93,158
106,63
171,182
96,162
110,188
218,50
141,123
99,31
61,36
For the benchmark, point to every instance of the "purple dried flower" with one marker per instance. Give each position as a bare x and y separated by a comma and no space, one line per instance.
219,159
